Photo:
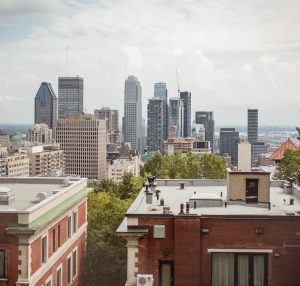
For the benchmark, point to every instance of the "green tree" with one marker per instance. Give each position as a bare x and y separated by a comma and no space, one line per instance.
173,166
289,167
106,252
212,167
130,186
152,165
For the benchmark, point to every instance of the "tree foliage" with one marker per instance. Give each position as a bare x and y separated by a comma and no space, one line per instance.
186,166
106,251
289,167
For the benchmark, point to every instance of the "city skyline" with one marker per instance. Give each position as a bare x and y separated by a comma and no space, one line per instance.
229,56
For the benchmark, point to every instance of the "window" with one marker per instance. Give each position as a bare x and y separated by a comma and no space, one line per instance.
75,221
74,257
235,269
69,226
69,273
44,249
53,240
59,277
48,281
58,236
2,264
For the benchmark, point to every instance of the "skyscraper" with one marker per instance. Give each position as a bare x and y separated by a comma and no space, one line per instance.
185,96
83,139
70,96
229,139
206,118
45,105
160,91
176,117
132,122
155,128
252,125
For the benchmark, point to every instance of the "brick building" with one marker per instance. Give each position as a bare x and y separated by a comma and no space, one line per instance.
244,231
43,229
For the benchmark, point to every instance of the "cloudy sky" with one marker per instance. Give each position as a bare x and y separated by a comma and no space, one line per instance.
231,54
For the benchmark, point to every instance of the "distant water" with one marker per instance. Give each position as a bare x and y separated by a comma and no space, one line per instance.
12,129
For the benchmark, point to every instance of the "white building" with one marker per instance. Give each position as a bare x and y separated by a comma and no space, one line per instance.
244,156
39,133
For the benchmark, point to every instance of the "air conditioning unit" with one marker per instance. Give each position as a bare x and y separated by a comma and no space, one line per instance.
145,280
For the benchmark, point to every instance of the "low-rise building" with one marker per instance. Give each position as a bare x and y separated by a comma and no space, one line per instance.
39,133
118,167
43,230
240,231
17,165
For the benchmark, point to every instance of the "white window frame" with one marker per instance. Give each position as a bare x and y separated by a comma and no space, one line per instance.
74,250
47,242
49,280
71,272
61,274
75,223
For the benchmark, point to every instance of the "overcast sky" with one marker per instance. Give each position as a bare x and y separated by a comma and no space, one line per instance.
231,54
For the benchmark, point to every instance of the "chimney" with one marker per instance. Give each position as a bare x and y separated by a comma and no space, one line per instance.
187,206
181,209
162,202
166,210
149,197
181,185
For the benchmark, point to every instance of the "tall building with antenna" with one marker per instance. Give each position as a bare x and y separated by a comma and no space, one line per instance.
70,96
132,121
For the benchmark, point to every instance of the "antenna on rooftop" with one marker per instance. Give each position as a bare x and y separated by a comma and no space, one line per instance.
66,61
178,87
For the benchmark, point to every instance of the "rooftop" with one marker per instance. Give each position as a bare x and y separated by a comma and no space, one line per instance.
279,153
29,192
212,190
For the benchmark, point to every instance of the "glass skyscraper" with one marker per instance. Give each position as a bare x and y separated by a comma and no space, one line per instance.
186,97
160,91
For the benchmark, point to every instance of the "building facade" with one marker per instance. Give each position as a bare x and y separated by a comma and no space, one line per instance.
70,96
17,165
186,98
45,105
229,139
206,118
112,123
43,231
83,140
252,125
132,122
213,232
39,133
160,91
176,117
155,130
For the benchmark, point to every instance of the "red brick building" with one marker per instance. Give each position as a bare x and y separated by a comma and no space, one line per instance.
43,229
244,231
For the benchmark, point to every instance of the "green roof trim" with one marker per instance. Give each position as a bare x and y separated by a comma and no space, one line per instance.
50,215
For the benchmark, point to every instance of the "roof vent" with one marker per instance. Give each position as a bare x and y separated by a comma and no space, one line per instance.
41,196
67,182
6,196
181,185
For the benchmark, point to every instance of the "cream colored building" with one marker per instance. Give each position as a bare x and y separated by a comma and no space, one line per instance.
17,165
83,140
244,156
45,160
39,133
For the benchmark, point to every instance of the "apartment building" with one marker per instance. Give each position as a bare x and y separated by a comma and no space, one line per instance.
43,231
39,133
17,165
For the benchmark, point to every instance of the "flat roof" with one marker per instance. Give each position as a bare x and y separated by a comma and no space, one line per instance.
27,189
173,196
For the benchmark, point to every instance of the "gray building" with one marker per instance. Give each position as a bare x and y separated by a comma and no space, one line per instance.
206,118
258,148
186,98
229,139
176,117
252,125
45,105
155,130
83,140
70,96
132,122
160,91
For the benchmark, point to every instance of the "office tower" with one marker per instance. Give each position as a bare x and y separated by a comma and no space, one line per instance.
45,105
83,140
206,118
160,91
112,123
70,96
176,117
186,98
258,148
39,133
252,125
132,123
155,128
229,139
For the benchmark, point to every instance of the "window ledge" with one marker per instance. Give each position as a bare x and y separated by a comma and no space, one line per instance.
3,279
